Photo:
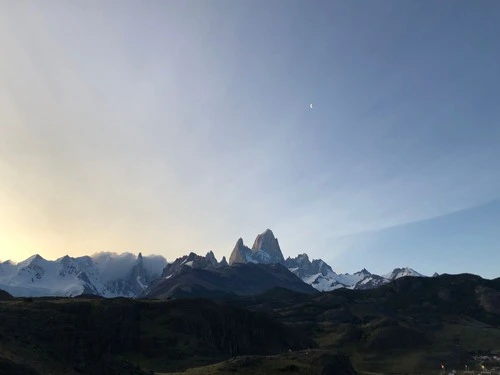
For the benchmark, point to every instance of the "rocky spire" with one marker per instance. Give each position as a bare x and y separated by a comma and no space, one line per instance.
211,257
268,243
240,253
223,262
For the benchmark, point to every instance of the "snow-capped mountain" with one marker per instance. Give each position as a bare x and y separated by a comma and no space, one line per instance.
265,250
329,280
402,272
103,274
317,272
321,276
208,262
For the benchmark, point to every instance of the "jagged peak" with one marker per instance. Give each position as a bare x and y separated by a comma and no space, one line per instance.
402,271
65,260
267,242
238,255
32,259
301,257
211,257
364,271
264,237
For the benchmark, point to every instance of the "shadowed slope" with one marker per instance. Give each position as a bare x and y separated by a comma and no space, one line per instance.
239,279
4,296
114,336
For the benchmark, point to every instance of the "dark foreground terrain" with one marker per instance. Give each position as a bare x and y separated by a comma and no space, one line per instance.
120,336
412,325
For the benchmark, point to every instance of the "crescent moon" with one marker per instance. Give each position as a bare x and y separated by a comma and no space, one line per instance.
311,106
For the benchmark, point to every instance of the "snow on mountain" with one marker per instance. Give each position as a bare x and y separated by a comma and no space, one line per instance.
36,276
193,260
104,274
402,272
350,280
363,279
322,277
265,249
317,272
371,281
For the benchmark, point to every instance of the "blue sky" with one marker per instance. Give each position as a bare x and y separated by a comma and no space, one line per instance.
171,126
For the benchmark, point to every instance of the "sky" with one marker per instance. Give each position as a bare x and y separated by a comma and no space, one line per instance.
174,126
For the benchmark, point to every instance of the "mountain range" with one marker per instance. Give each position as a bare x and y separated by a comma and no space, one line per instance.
197,276
103,274
249,271
317,273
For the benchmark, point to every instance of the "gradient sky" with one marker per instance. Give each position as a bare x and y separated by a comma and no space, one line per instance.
171,126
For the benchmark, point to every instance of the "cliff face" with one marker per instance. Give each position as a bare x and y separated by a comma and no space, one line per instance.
265,249
268,243
240,253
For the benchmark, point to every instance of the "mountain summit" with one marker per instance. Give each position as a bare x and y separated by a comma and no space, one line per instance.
268,243
265,250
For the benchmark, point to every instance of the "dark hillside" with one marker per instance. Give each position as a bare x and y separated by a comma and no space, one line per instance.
95,336
4,296
237,280
310,362
409,324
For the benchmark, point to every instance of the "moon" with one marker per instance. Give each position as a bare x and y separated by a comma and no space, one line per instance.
311,106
